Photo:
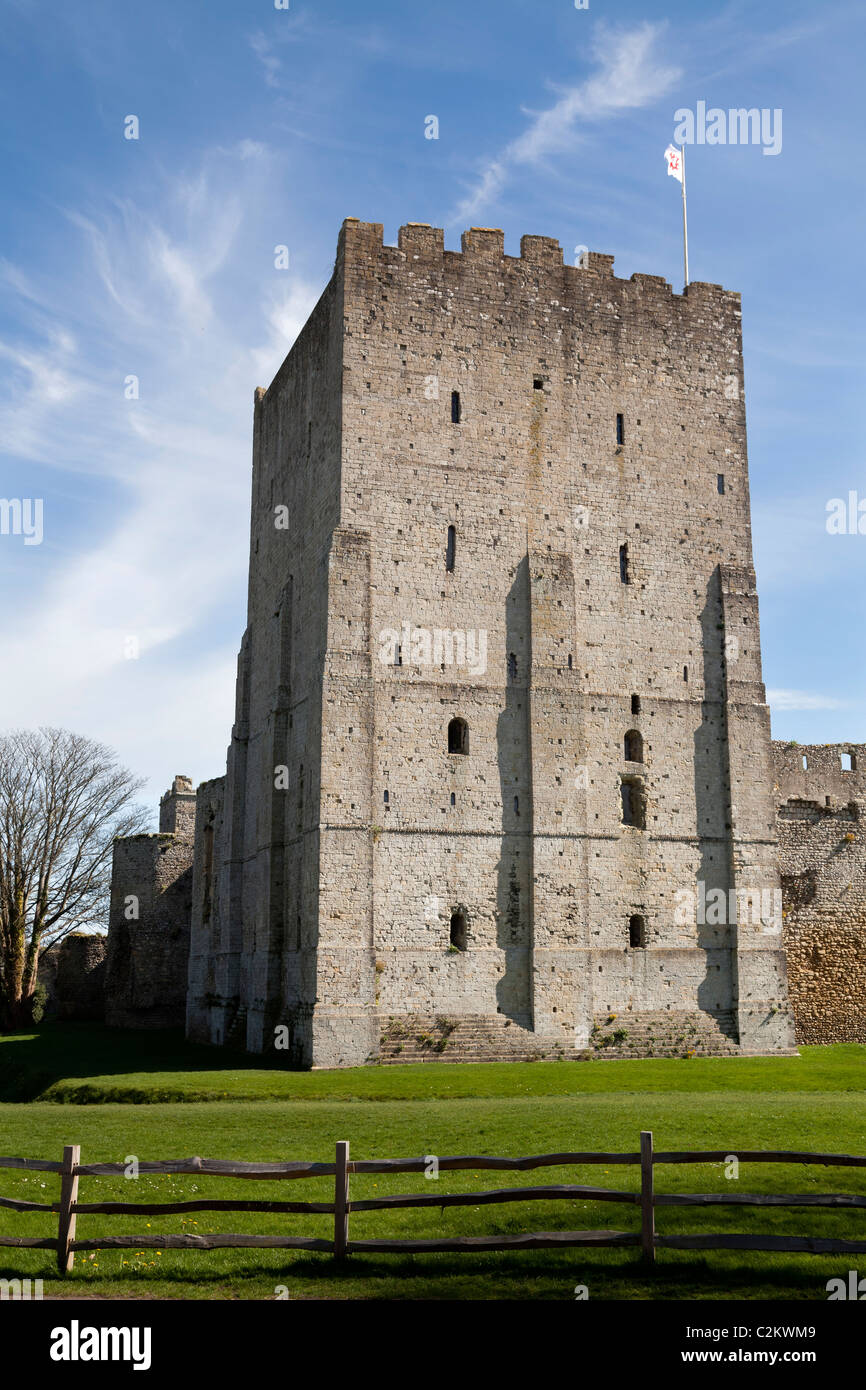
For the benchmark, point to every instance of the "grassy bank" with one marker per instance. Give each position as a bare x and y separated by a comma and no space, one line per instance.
89,1064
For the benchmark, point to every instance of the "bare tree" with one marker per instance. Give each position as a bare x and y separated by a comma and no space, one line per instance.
63,799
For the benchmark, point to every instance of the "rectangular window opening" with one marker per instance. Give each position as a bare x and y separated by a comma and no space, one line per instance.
633,802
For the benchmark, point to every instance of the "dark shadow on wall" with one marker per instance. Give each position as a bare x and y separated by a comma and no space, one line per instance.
712,806
514,872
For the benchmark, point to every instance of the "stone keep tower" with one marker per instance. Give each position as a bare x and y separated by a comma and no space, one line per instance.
500,720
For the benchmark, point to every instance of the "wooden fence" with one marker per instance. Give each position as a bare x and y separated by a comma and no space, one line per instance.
68,1209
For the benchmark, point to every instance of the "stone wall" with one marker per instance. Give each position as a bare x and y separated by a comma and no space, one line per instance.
149,919
73,972
213,995
254,953
822,849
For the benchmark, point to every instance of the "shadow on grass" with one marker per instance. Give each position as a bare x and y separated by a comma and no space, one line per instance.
35,1059
480,1278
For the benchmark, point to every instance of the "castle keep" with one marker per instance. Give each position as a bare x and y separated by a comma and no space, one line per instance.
500,718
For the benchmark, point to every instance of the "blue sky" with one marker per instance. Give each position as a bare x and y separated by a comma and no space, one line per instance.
260,127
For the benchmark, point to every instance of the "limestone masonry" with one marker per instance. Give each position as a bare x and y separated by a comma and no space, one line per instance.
821,798
149,918
72,973
500,782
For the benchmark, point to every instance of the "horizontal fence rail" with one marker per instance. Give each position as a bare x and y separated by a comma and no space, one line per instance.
71,1170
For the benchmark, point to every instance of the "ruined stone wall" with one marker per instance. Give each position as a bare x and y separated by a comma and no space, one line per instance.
149,920
177,809
822,853
207,965
73,972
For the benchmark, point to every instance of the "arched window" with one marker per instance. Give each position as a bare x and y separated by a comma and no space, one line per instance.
455,407
459,929
450,549
623,565
458,736
512,666
637,930
633,747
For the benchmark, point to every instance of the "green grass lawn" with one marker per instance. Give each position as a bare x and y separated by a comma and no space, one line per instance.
89,1064
254,1112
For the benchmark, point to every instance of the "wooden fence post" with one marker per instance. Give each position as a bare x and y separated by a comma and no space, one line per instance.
647,1210
68,1195
341,1200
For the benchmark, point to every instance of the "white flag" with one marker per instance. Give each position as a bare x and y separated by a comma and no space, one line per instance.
674,161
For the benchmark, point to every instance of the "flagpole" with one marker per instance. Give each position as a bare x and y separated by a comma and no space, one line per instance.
685,221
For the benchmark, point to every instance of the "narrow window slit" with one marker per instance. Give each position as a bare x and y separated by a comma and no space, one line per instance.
451,549
458,930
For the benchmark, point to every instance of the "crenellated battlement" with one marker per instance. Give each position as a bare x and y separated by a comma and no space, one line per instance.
421,244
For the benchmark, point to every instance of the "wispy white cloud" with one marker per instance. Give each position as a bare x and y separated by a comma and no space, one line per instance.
629,74
154,294
801,700
264,51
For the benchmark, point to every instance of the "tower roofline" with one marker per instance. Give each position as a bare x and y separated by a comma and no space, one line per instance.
421,243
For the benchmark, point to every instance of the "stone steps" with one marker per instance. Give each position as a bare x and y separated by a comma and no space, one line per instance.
236,1036
440,1038
469,1039
666,1034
